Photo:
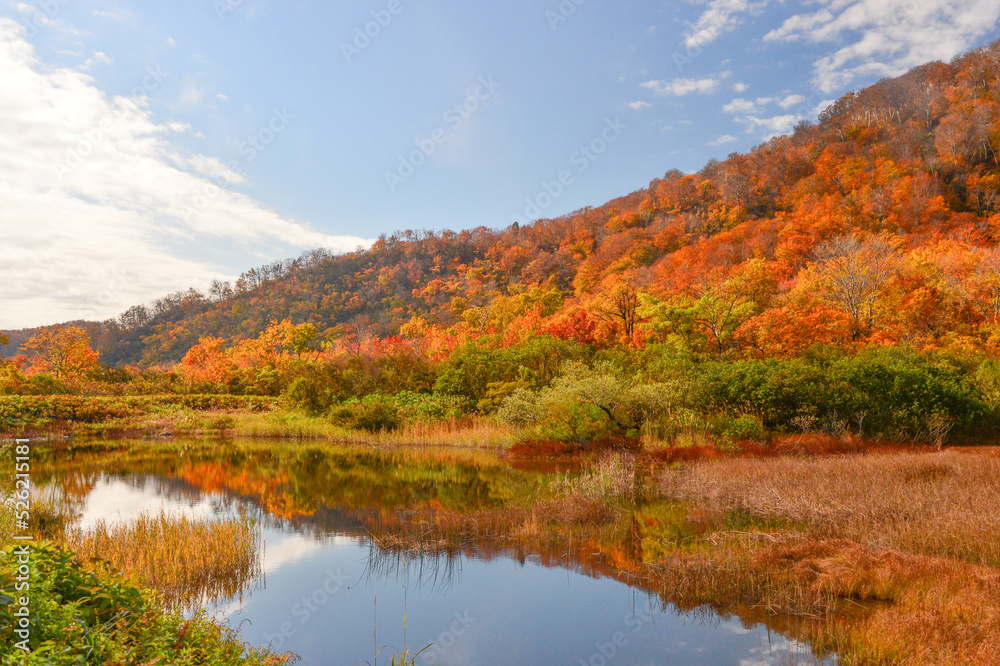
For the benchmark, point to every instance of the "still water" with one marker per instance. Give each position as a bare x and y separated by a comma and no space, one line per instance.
328,594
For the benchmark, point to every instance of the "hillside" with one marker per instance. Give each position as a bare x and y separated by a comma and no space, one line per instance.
876,225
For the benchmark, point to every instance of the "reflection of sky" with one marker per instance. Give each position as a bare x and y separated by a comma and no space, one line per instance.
114,499
330,593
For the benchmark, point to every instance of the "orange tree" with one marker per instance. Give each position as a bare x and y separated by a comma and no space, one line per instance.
63,351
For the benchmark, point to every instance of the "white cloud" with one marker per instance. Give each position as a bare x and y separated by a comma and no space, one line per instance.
740,106
679,87
775,125
740,87
191,95
638,106
722,140
171,41
101,212
751,113
791,100
887,37
223,97
99,57
719,17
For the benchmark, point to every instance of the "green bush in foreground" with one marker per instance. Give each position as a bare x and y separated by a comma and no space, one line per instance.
82,617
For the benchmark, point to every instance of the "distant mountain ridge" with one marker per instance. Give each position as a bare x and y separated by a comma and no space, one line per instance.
910,162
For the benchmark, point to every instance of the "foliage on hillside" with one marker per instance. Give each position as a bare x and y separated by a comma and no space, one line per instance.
769,281
878,224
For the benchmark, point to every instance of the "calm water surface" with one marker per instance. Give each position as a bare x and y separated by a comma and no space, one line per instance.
332,597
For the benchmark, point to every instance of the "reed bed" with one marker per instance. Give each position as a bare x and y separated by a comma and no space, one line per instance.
467,432
945,504
611,480
870,606
887,558
187,560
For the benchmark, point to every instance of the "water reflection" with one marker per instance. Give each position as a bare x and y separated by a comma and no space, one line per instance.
359,557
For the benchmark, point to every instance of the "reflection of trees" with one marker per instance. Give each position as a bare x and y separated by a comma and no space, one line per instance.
440,569
419,512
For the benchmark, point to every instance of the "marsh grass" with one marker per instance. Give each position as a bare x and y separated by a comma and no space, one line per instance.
945,504
51,516
7,514
467,431
612,480
886,558
870,606
187,560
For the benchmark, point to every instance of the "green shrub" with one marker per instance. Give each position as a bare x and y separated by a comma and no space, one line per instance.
987,382
891,393
308,394
472,368
372,414
79,616
745,427
430,406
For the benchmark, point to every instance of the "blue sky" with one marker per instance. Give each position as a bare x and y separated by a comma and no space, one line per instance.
152,146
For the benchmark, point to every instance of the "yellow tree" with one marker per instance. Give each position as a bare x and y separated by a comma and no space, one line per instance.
854,276
620,302
63,351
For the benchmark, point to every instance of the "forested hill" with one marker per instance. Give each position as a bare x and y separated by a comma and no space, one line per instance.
877,224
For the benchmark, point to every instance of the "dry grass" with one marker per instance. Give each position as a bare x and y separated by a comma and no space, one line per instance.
890,557
871,606
469,432
610,480
945,504
187,560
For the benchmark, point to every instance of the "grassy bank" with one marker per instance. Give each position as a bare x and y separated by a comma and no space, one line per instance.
91,591
143,415
83,616
232,416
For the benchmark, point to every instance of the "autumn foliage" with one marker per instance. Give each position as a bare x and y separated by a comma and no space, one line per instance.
875,227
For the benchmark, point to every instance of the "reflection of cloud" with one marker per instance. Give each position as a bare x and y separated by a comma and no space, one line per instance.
781,650
115,501
284,549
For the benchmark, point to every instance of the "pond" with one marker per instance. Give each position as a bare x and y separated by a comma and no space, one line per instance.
339,583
